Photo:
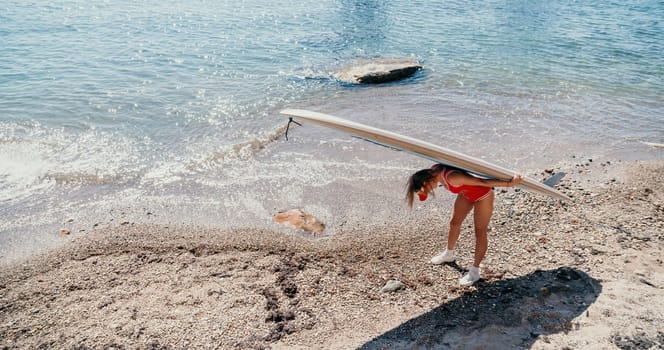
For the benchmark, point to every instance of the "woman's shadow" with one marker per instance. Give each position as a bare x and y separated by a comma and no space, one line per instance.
507,314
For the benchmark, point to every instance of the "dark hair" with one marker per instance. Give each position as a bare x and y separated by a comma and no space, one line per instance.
417,180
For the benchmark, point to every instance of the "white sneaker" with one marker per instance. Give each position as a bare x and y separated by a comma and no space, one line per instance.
470,278
446,256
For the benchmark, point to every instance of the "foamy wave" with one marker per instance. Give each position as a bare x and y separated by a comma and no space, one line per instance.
242,151
34,159
82,178
173,170
21,173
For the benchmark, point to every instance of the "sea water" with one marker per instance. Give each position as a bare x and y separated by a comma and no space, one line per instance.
121,112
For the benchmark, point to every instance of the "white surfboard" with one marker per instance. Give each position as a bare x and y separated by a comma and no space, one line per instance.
423,149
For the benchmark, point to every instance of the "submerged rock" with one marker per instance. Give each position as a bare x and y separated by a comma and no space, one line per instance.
379,71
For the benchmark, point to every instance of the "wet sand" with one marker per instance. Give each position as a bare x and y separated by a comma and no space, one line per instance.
587,274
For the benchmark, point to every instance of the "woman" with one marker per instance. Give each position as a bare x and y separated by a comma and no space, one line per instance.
473,193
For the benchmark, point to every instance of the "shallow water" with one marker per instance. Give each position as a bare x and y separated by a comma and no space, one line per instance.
167,111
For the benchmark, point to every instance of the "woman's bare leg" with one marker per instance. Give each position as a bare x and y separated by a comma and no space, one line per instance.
461,209
482,216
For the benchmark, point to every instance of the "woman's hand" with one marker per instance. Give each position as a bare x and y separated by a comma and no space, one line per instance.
516,180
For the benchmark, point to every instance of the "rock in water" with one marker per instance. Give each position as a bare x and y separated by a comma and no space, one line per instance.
379,71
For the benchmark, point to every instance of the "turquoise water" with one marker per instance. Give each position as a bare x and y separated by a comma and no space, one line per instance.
172,106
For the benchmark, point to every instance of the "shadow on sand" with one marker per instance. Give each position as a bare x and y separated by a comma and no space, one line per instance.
507,314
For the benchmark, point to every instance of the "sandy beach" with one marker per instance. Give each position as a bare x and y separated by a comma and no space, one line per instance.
581,275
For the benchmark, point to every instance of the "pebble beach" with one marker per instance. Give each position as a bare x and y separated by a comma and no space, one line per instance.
587,274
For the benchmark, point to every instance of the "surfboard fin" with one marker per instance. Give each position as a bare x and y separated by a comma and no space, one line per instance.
554,179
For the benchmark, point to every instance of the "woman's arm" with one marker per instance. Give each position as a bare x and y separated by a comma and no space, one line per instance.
457,178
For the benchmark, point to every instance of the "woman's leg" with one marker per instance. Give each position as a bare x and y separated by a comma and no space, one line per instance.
482,216
461,209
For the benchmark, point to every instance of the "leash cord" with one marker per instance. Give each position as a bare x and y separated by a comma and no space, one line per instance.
290,120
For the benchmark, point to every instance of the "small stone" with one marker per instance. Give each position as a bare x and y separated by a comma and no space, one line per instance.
137,332
646,282
64,232
392,286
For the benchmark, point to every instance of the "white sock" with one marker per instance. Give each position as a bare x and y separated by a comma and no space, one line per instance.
474,270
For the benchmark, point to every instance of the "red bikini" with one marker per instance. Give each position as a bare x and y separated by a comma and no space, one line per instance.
471,193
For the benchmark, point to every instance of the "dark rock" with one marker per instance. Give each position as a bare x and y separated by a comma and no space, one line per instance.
279,316
272,302
637,342
289,289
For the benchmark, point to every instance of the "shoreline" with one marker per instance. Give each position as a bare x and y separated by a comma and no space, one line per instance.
587,274
293,179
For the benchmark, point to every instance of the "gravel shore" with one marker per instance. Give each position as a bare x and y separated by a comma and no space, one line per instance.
587,274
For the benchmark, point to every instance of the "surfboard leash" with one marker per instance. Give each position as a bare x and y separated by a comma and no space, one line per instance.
290,120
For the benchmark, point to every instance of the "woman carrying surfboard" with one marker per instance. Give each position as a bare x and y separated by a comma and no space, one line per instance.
473,193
